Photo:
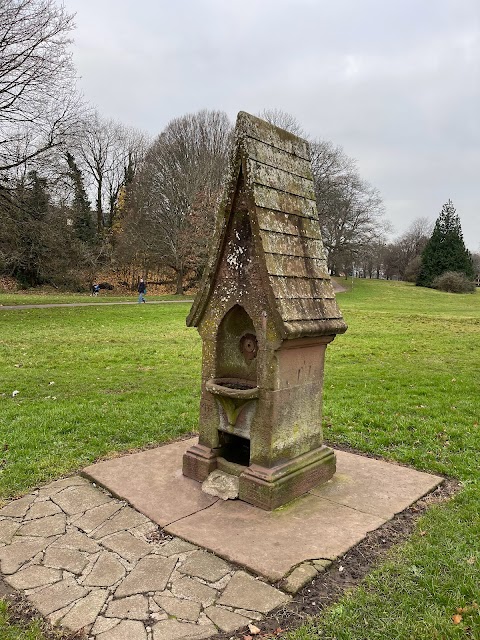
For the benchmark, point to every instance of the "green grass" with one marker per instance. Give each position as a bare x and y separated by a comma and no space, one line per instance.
123,377
10,631
402,383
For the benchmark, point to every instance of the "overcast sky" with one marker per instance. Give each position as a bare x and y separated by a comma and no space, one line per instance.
396,83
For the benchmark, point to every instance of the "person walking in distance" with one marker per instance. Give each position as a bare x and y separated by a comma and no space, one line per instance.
142,290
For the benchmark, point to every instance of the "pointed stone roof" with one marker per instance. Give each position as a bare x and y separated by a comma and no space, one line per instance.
278,182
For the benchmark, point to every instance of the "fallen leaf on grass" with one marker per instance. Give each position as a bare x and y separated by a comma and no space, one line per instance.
253,629
423,533
471,560
469,608
247,638
457,618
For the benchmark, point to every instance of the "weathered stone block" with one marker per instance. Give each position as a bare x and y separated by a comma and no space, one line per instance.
33,576
299,577
221,484
85,611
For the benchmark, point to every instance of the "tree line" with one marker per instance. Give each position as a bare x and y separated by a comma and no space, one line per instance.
81,194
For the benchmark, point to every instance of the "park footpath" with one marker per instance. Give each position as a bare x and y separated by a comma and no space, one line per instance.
88,561
150,556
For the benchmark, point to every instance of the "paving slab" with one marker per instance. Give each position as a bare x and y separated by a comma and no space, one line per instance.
17,508
127,546
132,607
79,498
95,517
150,574
152,482
8,529
206,566
57,596
193,590
102,624
262,540
42,509
106,571
125,630
176,547
375,486
329,520
85,611
64,558
182,609
33,576
18,553
44,527
226,620
125,518
174,630
245,592
58,485
78,541
299,577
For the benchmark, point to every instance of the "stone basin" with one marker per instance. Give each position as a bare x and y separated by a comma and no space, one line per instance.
233,388
237,399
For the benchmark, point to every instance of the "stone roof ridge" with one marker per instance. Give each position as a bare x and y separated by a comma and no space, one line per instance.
262,131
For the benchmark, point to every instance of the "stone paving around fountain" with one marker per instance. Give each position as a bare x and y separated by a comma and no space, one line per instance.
88,561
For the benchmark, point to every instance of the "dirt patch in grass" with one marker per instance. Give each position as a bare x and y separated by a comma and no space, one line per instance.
347,571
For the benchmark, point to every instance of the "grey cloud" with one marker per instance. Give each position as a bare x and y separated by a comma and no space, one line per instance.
397,84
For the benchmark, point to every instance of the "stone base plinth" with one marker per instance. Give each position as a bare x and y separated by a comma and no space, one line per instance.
199,462
269,488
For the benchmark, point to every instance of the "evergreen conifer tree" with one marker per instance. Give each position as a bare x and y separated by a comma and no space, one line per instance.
445,251
32,209
82,214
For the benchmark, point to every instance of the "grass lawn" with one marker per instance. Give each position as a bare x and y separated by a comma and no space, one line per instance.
32,297
402,383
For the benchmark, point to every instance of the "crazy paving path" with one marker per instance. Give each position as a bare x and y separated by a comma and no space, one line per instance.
89,561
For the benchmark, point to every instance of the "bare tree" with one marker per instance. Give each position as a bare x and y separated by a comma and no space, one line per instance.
177,190
350,209
39,105
476,264
110,153
402,257
284,120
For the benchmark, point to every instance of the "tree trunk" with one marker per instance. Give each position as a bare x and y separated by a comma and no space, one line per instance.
179,274
99,208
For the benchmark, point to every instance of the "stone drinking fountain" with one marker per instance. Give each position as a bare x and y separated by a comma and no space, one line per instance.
265,311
